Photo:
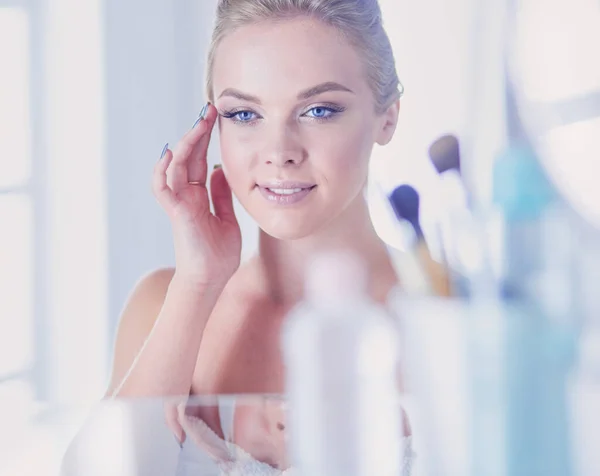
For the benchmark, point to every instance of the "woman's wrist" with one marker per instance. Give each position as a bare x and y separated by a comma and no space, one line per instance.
201,287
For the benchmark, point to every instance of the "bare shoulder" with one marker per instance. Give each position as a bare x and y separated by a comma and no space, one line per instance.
155,284
137,320
146,299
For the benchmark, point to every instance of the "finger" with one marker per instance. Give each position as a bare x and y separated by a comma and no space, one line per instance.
221,196
172,419
161,190
177,175
197,168
203,436
189,164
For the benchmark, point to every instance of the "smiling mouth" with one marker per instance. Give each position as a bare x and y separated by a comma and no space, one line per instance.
288,191
287,195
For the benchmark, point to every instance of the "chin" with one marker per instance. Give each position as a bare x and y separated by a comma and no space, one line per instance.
289,229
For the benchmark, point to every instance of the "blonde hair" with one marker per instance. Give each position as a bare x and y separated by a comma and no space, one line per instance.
358,20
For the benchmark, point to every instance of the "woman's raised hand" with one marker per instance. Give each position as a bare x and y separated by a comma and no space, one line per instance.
207,244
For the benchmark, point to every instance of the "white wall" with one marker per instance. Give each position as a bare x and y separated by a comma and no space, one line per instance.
155,88
150,94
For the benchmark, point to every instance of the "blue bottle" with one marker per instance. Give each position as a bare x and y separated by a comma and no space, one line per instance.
539,316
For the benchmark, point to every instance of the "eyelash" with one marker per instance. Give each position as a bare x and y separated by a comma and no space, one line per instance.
333,110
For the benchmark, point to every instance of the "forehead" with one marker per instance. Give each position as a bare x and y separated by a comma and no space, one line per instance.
280,58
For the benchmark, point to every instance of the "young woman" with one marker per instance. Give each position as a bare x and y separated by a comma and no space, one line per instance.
301,91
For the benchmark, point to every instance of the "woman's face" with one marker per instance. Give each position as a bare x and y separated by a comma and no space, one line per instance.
297,123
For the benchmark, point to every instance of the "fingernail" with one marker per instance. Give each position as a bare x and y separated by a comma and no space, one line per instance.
178,442
204,111
202,114
164,151
217,166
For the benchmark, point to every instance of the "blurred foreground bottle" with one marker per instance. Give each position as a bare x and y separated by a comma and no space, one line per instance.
341,358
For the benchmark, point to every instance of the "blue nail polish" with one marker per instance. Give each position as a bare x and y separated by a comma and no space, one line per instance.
202,114
162,154
204,111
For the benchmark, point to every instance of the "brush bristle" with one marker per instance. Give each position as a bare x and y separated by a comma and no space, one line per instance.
405,202
445,154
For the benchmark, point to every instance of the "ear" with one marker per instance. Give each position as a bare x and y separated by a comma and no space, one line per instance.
387,123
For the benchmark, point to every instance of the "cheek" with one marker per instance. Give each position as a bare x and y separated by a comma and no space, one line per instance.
235,156
345,155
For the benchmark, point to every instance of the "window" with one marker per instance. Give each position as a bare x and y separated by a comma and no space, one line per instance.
17,207
53,250
52,247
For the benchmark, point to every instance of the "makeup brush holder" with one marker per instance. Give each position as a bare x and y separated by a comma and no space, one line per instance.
489,381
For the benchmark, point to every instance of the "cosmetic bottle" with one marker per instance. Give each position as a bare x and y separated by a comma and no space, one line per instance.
341,355
539,315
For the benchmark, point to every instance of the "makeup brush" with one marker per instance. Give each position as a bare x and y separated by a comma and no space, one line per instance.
405,201
445,154
412,276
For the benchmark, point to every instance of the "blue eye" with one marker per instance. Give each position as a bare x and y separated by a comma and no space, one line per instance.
240,116
320,112
244,116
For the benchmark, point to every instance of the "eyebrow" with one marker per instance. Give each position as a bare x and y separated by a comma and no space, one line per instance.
323,88
306,94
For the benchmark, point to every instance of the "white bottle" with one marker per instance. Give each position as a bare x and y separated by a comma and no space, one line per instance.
341,358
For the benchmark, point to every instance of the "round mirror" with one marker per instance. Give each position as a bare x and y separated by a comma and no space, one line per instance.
554,64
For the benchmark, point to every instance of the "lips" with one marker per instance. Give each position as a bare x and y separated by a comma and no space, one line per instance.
285,185
286,193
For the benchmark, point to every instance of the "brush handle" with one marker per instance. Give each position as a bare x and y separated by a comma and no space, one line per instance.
439,278
413,278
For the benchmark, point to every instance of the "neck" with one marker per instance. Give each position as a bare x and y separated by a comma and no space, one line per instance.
283,262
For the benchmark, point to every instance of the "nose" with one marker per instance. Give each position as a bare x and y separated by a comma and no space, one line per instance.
283,147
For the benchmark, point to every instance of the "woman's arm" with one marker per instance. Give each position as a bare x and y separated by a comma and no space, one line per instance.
159,336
